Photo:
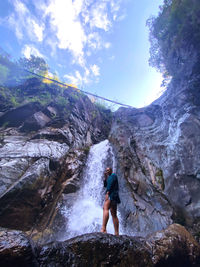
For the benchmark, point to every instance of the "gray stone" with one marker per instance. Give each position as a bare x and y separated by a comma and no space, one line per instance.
33,149
171,247
16,249
158,154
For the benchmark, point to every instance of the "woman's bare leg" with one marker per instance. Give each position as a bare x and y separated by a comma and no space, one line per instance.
106,208
113,210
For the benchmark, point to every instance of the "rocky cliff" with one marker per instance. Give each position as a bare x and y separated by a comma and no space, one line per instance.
43,148
158,153
46,132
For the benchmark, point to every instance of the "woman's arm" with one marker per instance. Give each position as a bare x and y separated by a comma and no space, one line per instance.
105,179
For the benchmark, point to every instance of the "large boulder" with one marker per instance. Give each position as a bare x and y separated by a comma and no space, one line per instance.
171,247
15,117
16,249
174,247
96,249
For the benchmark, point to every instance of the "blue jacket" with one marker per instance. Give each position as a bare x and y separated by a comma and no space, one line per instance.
112,187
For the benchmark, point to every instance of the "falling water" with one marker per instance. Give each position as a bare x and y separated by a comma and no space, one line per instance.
85,216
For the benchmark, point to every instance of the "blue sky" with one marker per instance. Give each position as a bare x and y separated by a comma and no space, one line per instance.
101,46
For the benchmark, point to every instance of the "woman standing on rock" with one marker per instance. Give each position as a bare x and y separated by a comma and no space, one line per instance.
111,200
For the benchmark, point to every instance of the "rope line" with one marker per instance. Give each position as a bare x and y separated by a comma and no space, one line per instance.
85,92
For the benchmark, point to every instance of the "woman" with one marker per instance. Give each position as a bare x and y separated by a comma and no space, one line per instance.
111,200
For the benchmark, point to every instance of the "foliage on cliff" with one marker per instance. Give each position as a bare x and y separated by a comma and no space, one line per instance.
18,87
175,37
13,73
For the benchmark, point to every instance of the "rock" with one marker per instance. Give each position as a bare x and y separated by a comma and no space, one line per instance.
71,176
11,171
35,122
96,249
171,247
43,149
158,153
22,202
32,199
143,204
174,246
32,149
16,249
16,116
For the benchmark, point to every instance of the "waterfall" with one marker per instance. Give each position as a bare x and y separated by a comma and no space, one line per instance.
85,215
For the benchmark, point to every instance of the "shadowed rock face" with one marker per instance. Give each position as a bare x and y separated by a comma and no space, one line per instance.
173,247
158,154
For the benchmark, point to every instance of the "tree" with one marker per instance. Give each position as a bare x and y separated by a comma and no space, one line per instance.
175,36
34,64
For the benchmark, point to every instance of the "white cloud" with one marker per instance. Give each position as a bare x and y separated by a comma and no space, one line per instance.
95,70
94,41
117,14
23,22
20,8
78,79
38,30
99,17
69,31
107,45
77,26
29,50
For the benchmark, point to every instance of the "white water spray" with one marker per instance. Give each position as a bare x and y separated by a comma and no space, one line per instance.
86,215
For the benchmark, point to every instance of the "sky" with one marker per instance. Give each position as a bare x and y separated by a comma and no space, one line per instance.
101,46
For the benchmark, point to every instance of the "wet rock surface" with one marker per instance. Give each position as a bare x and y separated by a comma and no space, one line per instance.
172,247
96,249
16,249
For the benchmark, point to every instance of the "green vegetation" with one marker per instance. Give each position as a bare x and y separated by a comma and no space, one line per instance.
34,64
75,96
175,36
62,101
94,114
160,179
101,104
86,149
14,101
18,86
